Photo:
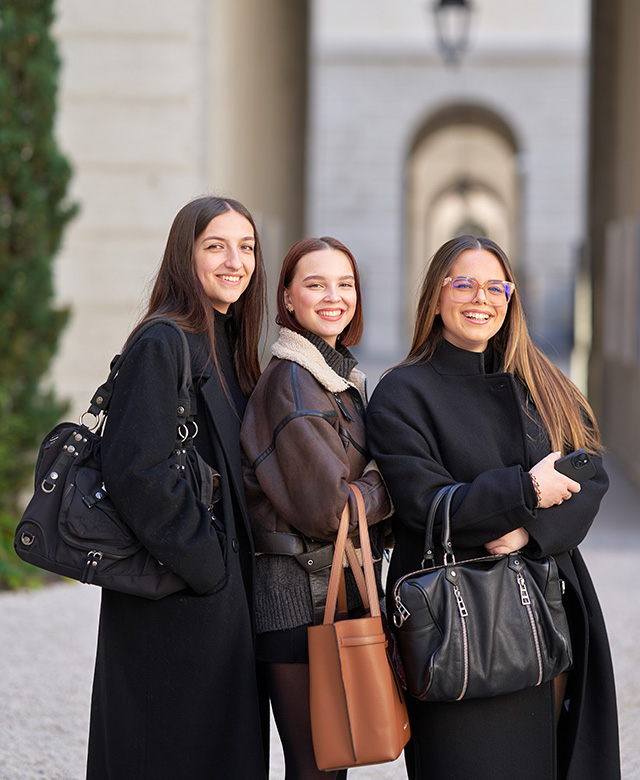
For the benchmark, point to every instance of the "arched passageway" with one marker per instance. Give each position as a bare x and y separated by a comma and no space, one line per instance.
461,177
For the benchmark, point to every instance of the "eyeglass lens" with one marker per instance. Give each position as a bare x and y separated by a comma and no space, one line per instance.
465,290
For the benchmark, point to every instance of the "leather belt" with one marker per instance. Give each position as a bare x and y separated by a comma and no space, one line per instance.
314,557
278,543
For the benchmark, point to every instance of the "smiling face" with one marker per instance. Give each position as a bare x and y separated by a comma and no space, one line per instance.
322,293
471,325
224,256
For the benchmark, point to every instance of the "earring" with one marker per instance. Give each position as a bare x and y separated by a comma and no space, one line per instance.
290,309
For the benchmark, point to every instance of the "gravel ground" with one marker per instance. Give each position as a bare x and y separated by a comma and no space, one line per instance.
47,645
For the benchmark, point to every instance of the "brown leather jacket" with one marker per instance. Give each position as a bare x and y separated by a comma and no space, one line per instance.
303,437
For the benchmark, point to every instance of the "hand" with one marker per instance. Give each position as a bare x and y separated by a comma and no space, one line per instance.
554,486
514,540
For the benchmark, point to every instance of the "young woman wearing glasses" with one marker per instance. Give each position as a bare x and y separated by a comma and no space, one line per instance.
476,402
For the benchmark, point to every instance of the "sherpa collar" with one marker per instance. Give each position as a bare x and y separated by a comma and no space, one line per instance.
296,348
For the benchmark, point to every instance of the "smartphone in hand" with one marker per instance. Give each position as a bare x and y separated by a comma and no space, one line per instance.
576,465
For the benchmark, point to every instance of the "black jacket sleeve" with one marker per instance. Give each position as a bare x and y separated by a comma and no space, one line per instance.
137,450
561,528
425,434
495,502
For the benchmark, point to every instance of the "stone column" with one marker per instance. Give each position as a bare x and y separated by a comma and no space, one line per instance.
614,227
257,115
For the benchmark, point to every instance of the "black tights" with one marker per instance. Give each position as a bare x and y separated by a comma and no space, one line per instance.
288,687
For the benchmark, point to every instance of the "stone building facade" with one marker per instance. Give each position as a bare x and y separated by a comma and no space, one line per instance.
405,151
161,102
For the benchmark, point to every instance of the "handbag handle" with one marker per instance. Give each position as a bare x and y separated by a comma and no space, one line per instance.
370,594
446,493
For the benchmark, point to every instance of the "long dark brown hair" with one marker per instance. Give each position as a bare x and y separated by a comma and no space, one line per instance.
565,412
178,293
352,334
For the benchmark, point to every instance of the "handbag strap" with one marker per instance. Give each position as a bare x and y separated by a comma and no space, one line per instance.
356,568
370,594
102,397
446,493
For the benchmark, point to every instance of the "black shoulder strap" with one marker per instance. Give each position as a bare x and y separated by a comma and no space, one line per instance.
102,397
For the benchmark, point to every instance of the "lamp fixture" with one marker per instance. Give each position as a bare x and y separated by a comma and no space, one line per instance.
452,20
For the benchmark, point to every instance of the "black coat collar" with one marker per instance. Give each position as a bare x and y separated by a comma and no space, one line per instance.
450,360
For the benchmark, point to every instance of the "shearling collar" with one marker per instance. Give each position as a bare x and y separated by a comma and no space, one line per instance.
296,348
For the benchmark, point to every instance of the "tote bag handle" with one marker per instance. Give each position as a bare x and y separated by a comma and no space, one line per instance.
367,588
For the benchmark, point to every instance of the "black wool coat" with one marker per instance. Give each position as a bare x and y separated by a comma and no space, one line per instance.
450,420
175,691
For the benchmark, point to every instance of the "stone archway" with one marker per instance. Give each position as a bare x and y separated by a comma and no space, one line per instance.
462,176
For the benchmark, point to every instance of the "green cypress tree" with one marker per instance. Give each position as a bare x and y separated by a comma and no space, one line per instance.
34,177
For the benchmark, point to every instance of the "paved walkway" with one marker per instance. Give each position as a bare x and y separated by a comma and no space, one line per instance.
47,644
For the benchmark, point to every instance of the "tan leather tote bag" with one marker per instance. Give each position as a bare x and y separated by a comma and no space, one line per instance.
358,712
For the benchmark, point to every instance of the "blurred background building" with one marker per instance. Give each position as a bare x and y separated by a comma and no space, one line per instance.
162,101
612,237
407,151
349,118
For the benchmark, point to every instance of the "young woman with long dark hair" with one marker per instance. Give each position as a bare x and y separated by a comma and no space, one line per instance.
175,691
476,402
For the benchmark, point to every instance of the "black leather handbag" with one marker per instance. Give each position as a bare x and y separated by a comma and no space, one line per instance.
72,528
481,627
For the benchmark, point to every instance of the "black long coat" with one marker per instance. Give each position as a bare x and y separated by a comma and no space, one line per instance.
175,693
449,421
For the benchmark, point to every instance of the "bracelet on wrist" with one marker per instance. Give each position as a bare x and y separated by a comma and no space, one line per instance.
536,487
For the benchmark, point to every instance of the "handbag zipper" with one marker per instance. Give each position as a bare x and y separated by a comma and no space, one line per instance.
526,603
462,609
94,558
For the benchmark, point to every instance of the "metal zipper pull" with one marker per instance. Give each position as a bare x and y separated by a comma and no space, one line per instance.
524,593
460,601
401,615
526,602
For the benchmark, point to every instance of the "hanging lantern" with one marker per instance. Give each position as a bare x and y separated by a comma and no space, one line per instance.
452,18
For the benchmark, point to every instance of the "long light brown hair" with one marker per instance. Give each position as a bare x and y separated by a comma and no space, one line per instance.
178,293
565,412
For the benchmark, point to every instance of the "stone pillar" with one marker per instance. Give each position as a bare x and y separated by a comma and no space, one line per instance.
600,181
614,227
257,115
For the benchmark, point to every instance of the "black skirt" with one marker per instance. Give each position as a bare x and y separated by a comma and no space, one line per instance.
290,646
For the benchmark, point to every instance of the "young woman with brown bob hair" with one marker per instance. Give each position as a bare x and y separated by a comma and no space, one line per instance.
175,691
304,439
476,402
